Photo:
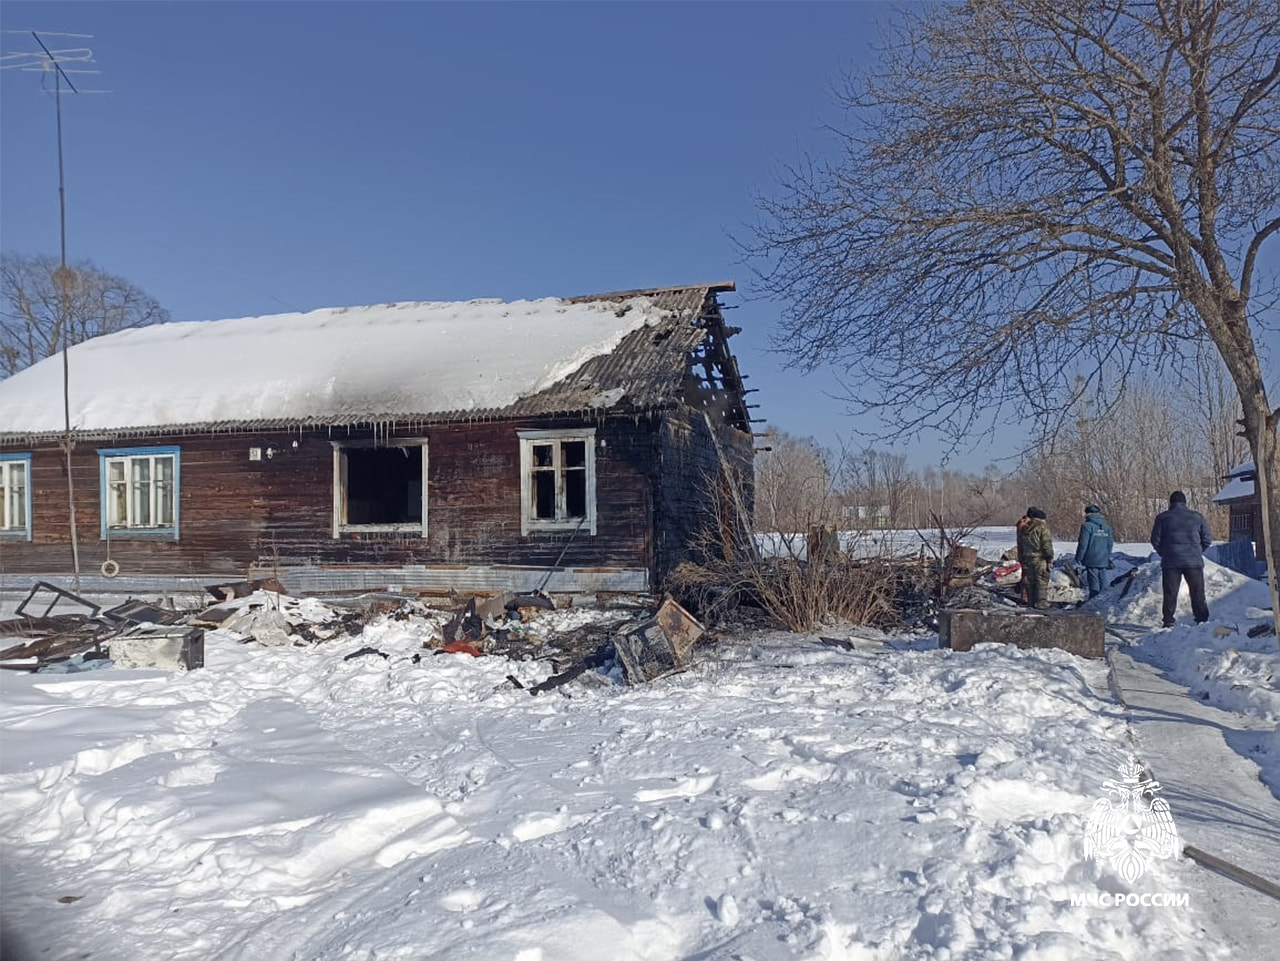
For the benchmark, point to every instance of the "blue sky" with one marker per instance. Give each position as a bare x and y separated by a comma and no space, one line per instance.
256,158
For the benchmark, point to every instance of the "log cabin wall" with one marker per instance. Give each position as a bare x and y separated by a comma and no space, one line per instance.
691,510
236,514
1246,521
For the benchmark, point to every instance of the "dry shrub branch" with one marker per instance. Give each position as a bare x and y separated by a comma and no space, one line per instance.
801,579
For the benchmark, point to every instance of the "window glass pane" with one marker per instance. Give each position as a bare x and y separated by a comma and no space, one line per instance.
18,492
13,496
117,494
542,455
574,453
116,509
141,506
7,512
575,493
141,469
164,505
544,495
164,492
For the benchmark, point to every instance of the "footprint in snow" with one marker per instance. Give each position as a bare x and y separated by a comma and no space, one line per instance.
464,899
684,787
535,826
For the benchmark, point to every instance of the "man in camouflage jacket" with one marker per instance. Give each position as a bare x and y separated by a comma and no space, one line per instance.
1035,552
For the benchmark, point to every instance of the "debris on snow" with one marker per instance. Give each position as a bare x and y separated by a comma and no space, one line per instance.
261,622
169,648
461,647
235,589
465,625
276,619
59,594
660,645
1076,632
142,612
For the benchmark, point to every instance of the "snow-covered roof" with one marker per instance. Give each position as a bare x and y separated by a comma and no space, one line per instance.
335,366
1240,483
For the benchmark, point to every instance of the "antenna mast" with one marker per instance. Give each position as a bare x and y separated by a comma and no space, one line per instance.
50,61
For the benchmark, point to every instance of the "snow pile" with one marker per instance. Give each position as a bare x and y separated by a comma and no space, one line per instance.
1217,661
336,365
781,799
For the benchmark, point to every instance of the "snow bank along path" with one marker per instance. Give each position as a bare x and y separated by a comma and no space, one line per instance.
781,800
1221,806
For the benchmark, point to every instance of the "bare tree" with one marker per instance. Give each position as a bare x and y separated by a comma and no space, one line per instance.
1214,395
879,485
1151,441
1040,189
45,307
793,484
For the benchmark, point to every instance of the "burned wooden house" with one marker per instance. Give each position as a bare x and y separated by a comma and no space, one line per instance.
413,446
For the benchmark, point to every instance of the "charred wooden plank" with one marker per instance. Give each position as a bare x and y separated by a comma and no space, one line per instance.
50,648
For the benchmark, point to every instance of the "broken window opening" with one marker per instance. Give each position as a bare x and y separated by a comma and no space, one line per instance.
380,488
558,479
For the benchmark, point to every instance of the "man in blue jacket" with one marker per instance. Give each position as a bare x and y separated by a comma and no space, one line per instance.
1093,548
1180,536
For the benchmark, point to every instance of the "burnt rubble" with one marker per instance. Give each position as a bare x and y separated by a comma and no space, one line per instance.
59,630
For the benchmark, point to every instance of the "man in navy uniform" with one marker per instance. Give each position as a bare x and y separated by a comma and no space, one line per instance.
1180,536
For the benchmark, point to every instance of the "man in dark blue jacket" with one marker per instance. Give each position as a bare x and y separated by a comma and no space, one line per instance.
1180,536
1093,548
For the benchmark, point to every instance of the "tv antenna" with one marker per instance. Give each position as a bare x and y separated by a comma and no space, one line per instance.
51,63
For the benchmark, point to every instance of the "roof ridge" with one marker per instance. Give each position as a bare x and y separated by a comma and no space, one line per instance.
722,286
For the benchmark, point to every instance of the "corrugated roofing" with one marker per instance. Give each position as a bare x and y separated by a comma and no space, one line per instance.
629,351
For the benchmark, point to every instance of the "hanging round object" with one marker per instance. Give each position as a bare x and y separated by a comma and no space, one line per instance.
109,568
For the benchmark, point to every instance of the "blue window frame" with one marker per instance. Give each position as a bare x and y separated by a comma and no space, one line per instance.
15,496
139,491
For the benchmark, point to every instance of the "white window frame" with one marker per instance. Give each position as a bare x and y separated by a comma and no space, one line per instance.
340,525
528,440
128,456
10,466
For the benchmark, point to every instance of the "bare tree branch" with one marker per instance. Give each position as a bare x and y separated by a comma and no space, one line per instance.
1039,194
35,321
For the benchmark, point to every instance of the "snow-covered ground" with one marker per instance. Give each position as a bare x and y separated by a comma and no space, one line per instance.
782,799
1217,662
990,542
